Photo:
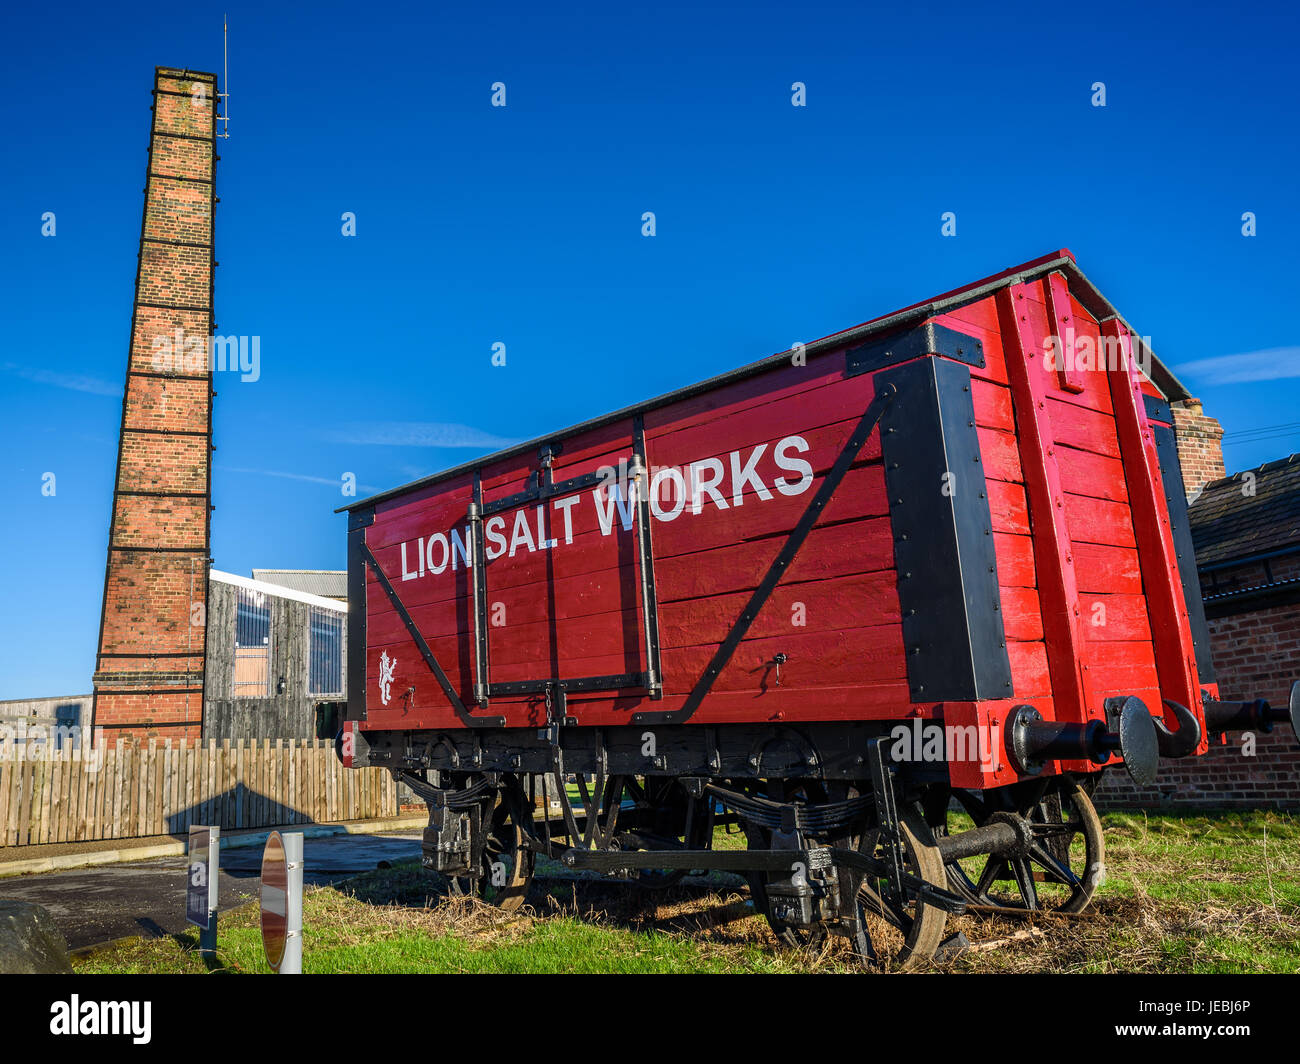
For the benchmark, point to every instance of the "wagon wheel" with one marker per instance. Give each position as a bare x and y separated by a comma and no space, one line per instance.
1066,861
506,868
901,935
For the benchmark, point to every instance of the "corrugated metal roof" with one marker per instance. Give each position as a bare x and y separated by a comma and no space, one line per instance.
1252,513
327,583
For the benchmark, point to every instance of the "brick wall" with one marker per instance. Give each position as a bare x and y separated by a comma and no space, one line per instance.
1200,445
1256,655
149,670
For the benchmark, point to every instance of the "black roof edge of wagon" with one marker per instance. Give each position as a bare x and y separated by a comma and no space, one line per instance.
1063,262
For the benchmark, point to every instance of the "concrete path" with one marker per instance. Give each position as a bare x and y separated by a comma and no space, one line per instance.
94,905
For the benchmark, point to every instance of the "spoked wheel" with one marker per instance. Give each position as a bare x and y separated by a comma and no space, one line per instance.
1065,863
507,864
900,934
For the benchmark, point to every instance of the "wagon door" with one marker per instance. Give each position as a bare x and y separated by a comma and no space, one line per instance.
562,581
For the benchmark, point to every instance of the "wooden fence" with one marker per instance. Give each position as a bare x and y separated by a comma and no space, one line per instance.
127,791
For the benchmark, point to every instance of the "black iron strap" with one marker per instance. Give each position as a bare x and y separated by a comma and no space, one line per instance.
544,487
426,653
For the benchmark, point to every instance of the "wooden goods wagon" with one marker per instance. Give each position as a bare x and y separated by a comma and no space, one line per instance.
938,560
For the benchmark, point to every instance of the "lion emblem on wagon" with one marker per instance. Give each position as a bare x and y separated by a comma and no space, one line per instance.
386,667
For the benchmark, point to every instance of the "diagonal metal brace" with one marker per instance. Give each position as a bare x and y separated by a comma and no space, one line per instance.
870,417
425,652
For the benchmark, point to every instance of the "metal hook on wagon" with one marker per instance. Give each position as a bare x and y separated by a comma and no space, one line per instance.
1186,739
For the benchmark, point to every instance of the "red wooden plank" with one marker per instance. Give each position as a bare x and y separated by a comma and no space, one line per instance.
1015,556
992,404
1083,429
526,631
1057,589
1092,520
1175,654
1007,507
1022,617
1030,674
1000,456
1060,319
1094,475
1107,569
1112,617
1124,667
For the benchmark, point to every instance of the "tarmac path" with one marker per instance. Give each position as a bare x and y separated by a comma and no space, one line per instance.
97,904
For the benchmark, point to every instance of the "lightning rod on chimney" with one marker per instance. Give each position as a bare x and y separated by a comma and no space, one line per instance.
225,79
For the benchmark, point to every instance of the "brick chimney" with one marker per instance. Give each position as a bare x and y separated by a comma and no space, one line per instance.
1200,446
150,666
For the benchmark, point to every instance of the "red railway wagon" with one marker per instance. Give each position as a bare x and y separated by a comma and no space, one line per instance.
938,561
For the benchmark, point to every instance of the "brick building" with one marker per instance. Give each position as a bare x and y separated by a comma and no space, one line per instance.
1246,530
149,666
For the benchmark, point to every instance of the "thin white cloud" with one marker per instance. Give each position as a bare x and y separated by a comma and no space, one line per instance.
417,434
1276,363
333,482
74,382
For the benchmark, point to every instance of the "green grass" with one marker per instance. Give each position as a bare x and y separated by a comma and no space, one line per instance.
1185,893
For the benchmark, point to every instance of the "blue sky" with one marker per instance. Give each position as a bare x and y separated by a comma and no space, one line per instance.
522,225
